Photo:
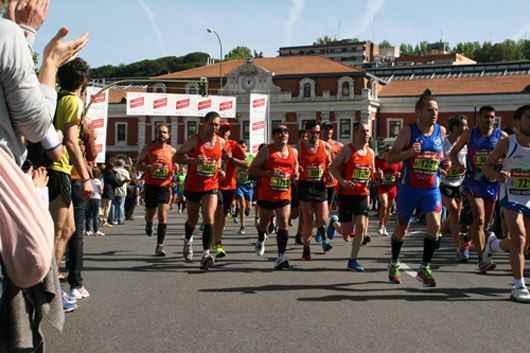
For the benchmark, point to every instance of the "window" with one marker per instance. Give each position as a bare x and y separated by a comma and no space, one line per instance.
192,90
307,90
246,130
394,126
159,87
345,129
191,128
303,122
275,123
498,120
121,134
345,89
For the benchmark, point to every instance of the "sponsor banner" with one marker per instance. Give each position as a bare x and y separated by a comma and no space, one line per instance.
179,104
98,113
258,121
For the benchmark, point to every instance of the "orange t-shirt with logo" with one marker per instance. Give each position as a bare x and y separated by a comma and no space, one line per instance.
229,181
314,165
358,169
204,177
276,189
164,155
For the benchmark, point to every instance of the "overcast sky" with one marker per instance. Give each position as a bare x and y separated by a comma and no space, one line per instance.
125,31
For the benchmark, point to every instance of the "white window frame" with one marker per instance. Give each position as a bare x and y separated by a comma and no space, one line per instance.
159,87
116,141
340,82
498,122
302,83
187,121
193,85
388,121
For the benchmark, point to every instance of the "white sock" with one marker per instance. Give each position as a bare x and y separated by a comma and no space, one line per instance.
496,245
518,283
206,252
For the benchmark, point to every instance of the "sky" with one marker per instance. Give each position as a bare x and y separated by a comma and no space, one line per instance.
126,31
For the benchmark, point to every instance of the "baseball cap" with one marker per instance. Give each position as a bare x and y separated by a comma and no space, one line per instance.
225,123
327,125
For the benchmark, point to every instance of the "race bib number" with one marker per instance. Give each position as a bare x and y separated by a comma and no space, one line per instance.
242,175
389,179
281,183
207,169
161,173
453,174
480,158
520,182
314,172
426,163
361,174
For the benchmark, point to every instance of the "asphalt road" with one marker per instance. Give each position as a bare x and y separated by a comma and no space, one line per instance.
142,303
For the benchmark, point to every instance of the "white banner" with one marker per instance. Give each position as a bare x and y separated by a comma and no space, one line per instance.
169,104
98,113
258,120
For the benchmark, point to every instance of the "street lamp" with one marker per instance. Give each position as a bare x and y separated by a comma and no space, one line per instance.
221,58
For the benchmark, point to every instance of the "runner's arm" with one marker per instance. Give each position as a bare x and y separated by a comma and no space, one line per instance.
397,154
499,152
140,162
255,167
459,144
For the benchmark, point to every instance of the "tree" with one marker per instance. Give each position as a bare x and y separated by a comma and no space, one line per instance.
324,41
238,53
258,55
385,44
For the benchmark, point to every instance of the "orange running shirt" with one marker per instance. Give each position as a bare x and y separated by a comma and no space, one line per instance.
229,181
358,169
276,189
203,177
163,155
313,164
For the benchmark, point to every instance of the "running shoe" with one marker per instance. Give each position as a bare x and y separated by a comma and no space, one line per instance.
68,307
206,262
242,230
236,221
463,246
459,257
201,227
159,251
219,251
381,229
366,239
520,295
99,234
385,232
330,232
393,273
298,239
187,250
70,299
353,265
281,262
306,254
260,248
487,253
348,237
89,233
326,246
149,230
425,275
486,266
318,237
79,293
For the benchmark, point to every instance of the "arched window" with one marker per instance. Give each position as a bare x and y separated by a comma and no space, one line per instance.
307,90
345,89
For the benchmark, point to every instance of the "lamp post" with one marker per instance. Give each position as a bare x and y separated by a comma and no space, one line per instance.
221,58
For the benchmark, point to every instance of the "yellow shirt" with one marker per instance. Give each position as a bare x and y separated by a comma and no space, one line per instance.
69,110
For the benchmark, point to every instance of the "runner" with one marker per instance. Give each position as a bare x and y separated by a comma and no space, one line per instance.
155,159
233,156
276,165
180,180
419,146
296,211
244,188
514,152
386,178
353,167
452,186
202,152
314,158
482,191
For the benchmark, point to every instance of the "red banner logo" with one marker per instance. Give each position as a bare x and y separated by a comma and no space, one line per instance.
258,103
205,104
99,99
225,106
183,103
160,103
137,102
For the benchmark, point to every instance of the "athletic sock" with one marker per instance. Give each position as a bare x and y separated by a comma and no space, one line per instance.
236,213
207,237
496,245
429,245
218,243
189,231
261,236
161,232
396,248
306,250
247,213
322,232
518,283
149,224
281,239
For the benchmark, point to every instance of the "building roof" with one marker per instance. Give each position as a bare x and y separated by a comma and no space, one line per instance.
283,65
457,86
116,95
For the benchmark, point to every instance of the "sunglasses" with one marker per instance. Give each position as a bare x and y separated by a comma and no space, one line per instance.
314,132
280,129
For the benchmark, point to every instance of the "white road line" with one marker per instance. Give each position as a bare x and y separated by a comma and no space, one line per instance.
403,267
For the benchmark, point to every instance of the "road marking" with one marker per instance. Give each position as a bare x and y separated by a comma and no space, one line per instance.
403,267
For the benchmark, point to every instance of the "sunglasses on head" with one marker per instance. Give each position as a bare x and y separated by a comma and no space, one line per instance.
279,129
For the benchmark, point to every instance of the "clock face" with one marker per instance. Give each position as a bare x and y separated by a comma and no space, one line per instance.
248,82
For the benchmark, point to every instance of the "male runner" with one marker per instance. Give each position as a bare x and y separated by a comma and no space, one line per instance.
276,165
419,146
180,180
353,167
314,158
386,177
155,159
482,191
514,152
233,157
244,189
452,186
202,152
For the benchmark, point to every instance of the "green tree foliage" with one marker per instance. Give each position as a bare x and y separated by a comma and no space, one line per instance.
238,53
385,44
149,68
324,40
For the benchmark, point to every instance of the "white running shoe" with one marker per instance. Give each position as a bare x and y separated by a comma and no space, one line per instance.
281,262
260,248
385,232
79,293
381,229
520,295
187,250
487,253
98,233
